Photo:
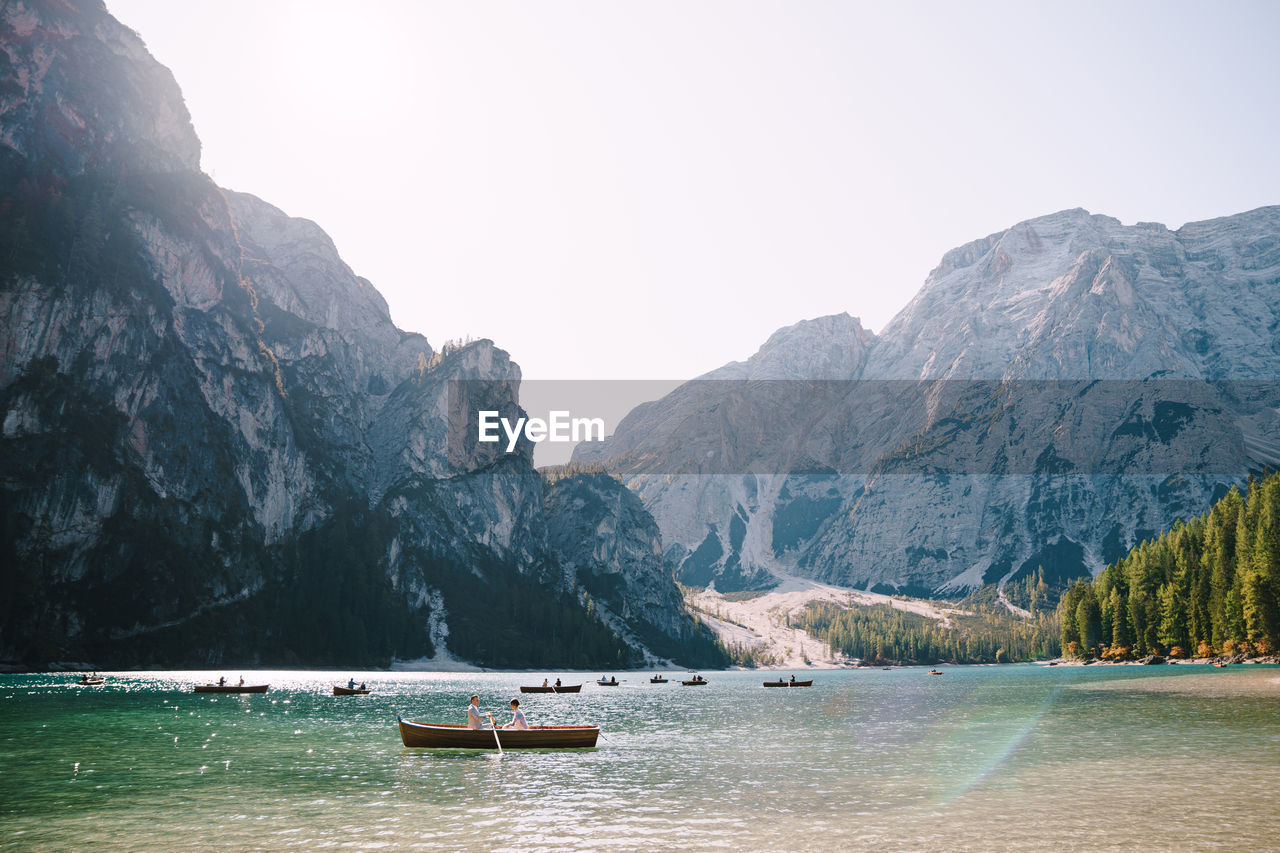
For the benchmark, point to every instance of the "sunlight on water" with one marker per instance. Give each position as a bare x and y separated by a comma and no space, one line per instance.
983,758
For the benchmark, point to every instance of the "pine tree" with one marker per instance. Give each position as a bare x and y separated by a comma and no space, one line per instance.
1070,628
1120,634
1089,621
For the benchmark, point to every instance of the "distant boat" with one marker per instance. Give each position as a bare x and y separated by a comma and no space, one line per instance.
697,680
886,668
657,679
808,683
934,672
91,682
230,688
608,683
348,691
449,736
563,688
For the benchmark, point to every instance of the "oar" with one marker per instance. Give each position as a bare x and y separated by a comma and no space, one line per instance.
495,733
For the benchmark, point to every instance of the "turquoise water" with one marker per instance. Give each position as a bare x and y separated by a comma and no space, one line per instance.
981,758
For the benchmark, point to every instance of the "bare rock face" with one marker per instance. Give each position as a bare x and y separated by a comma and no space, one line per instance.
603,537
216,446
80,93
1053,394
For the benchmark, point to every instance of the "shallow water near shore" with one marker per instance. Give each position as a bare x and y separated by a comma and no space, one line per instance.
981,758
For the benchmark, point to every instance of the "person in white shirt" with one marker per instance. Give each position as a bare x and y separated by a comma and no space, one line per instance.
517,717
475,720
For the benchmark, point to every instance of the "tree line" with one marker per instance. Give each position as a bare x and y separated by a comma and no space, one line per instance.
1206,587
980,631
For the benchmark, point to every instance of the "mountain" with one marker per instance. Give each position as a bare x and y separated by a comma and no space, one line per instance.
217,447
1053,394
604,539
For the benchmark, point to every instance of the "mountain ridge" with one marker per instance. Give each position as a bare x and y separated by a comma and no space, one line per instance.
1069,296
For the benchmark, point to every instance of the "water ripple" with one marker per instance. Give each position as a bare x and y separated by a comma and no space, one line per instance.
986,758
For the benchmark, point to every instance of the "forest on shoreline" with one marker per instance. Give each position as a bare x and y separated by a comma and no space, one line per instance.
1207,587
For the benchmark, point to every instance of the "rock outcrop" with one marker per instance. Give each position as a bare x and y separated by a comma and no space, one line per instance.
611,547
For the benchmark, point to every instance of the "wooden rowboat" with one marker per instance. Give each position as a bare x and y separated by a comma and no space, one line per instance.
657,681
808,683
695,683
934,672
608,683
91,682
350,691
563,688
447,736
230,688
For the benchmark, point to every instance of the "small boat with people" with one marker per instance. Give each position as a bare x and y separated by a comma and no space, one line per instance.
91,680
223,687
935,672
657,679
417,735
791,683
551,688
696,681
350,689
612,682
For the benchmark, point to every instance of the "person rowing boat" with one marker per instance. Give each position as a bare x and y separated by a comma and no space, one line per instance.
475,720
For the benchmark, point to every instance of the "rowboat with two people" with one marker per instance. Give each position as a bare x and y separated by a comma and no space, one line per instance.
696,681
452,736
479,734
612,682
91,680
658,679
223,687
552,688
791,683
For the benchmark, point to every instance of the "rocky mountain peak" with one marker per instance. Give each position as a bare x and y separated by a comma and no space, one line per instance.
1078,295
830,347
318,285
873,491
79,92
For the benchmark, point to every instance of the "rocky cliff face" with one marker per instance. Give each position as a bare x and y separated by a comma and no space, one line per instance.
611,547
216,445
1053,394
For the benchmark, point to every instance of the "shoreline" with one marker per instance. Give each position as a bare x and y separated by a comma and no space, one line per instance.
1221,660
1260,660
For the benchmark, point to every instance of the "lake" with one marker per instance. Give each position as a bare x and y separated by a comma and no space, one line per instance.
980,758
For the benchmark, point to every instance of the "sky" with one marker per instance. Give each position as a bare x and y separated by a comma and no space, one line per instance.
631,190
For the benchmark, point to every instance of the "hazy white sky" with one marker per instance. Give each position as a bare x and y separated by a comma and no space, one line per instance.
648,190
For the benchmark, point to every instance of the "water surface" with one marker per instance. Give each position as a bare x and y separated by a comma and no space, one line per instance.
981,758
